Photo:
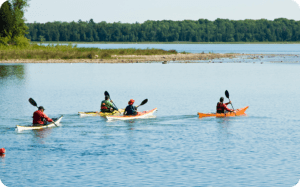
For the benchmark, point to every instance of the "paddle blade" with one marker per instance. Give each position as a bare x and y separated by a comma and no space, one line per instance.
31,101
227,94
106,94
144,102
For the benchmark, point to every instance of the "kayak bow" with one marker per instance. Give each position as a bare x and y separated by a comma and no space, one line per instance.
238,112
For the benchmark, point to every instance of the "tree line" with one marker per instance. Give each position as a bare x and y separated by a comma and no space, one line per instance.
12,23
202,30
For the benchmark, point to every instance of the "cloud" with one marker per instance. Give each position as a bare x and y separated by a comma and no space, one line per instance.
297,1
1,2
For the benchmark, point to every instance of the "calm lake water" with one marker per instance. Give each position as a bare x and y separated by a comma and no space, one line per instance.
174,149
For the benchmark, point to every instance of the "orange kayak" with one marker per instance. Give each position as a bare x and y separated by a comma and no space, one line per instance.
238,112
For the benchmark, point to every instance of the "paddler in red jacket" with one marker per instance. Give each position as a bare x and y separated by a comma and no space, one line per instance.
40,118
221,107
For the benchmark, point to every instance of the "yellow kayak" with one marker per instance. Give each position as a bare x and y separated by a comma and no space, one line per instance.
96,113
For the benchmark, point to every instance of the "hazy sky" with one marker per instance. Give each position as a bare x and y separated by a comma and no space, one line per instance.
130,11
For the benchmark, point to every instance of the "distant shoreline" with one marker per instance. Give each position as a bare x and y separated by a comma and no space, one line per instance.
132,58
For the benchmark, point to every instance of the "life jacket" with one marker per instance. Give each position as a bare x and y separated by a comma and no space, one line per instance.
103,107
220,107
130,110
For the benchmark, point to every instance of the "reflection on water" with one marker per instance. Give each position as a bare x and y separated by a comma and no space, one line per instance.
130,122
42,133
223,126
12,70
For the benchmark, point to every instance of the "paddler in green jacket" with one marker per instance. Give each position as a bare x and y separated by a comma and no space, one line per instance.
107,106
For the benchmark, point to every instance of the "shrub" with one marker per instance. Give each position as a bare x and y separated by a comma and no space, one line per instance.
105,55
21,41
90,56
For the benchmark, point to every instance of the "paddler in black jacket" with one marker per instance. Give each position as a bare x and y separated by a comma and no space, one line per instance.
130,109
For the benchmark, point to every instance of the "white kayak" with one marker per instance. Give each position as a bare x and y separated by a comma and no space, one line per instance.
144,114
56,123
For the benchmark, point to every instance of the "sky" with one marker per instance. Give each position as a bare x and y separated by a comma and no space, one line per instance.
131,11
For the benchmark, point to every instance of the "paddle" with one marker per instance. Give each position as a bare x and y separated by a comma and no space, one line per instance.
107,94
227,95
31,101
142,103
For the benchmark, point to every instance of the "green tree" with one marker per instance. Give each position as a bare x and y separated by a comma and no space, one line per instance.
220,30
7,20
12,23
20,27
116,35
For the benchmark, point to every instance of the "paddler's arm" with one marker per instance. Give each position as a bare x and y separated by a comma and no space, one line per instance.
47,118
110,105
228,103
226,108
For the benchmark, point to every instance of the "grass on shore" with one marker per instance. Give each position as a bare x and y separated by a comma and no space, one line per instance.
38,52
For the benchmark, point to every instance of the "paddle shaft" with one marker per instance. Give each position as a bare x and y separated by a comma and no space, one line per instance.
227,95
115,105
231,104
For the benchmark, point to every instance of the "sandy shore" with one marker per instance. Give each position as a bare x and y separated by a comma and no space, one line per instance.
131,58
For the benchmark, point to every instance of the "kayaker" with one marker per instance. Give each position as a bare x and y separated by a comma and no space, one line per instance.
107,106
130,109
221,107
40,118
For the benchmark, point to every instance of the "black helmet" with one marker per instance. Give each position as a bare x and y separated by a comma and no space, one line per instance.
41,107
221,99
106,97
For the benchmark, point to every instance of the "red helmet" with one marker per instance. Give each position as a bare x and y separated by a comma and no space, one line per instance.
131,102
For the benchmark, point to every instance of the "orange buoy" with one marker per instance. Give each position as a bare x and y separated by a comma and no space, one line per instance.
2,151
